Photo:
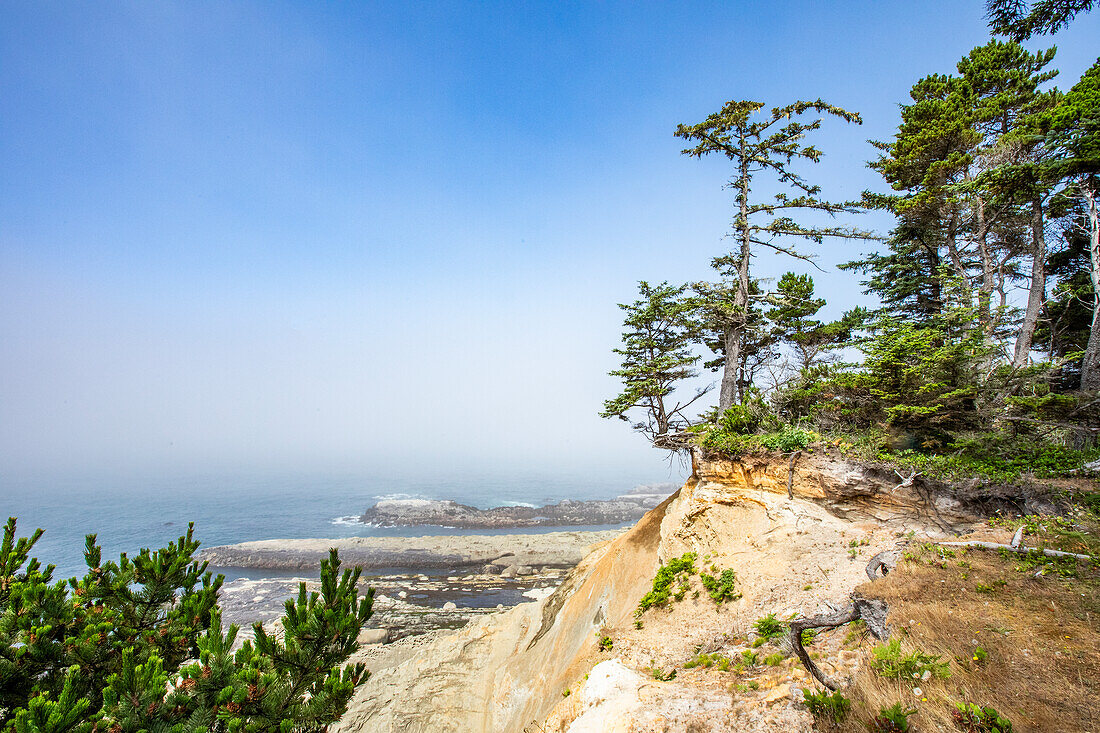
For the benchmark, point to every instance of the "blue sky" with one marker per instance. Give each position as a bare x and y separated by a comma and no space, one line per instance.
339,237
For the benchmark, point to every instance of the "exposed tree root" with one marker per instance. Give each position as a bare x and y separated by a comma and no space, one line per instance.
873,613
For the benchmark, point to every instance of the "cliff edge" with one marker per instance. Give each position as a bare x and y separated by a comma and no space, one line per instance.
798,534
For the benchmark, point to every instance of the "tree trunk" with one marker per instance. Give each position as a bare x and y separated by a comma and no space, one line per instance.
1090,365
727,396
1037,291
735,332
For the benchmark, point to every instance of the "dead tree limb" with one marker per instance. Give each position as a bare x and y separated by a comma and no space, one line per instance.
1021,550
878,565
873,612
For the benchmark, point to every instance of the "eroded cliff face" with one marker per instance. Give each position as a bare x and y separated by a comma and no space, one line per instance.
793,553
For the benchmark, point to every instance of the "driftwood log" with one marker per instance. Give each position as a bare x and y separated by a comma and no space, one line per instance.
1020,549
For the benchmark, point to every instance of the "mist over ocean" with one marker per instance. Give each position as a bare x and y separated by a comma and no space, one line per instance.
131,514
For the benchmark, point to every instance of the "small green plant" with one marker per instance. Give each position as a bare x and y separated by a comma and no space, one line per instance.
678,569
890,662
566,692
976,719
638,623
980,655
983,588
749,657
605,643
823,705
808,636
759,642
774,659
660,675
722,588
894,719
769,626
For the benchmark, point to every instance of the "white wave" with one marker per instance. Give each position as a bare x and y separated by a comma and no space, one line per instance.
348,520
518,503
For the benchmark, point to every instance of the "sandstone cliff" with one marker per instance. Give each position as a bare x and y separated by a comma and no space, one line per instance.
797,540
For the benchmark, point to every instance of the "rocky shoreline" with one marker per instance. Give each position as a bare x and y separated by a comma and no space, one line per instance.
422,584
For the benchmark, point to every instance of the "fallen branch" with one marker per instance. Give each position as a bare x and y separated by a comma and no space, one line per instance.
1020,550
906,480
873,613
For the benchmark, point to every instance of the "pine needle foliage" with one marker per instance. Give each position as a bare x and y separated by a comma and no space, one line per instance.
138,645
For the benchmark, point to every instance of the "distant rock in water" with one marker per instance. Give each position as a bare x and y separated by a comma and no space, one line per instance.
568,513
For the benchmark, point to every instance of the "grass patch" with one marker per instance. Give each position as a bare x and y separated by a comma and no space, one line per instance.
1029,650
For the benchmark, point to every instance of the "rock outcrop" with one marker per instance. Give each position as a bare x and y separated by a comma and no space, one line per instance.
793,553
567,513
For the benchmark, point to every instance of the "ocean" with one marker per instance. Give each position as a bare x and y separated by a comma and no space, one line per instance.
128,515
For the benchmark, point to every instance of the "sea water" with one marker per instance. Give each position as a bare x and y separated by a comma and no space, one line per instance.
130,514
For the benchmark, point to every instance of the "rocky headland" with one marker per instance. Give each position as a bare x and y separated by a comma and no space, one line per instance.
624,509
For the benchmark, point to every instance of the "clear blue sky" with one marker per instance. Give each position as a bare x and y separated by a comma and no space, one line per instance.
343,236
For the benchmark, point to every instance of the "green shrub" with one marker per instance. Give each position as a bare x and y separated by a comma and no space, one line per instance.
721,588
894,719
824,705
677,569
890,662
108,651
605,643
975,719
774,659
769,627
785,441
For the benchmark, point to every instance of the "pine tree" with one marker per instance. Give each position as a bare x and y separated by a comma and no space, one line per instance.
768,145
656,356
794,324
105,652
1020,20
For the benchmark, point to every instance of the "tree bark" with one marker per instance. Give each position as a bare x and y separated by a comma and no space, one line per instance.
1090,365
1037,291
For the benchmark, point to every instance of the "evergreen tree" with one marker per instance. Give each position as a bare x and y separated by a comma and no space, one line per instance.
1073,132
756,145
657,355
794,324
1020,20
105,652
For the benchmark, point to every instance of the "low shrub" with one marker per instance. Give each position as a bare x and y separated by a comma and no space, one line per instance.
890,662
678,569
769,626
976,719
833,706
894,719
721,588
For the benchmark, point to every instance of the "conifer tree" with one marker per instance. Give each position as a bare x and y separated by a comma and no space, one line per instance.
1021,20
794,324
656,356
106,651
763,144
